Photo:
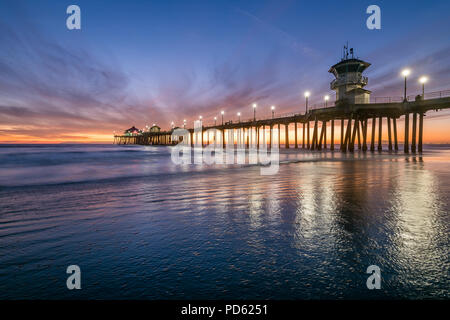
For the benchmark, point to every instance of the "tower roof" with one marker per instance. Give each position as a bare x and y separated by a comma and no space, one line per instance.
349,65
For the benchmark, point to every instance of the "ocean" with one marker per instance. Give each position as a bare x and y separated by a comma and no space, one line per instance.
141,227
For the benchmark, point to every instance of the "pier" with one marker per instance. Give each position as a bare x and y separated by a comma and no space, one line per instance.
360,117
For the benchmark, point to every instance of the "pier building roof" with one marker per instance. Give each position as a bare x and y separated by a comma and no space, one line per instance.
349,65
133,129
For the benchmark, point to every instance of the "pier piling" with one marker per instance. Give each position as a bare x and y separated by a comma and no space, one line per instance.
380,134
286,129
389,133
420,132
413,135
332,136
295,136
372,142
406,143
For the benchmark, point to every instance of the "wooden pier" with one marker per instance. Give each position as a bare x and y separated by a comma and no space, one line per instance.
359,115
162,138
356,121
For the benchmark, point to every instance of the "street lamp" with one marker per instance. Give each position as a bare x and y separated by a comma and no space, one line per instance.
273,110
307,93
184,124
222,113
254,112
423,80
405,73
239,115
171,124
327,97
215,121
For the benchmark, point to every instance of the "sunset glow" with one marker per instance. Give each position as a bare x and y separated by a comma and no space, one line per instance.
82,86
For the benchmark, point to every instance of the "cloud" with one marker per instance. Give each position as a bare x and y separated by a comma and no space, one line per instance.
51,89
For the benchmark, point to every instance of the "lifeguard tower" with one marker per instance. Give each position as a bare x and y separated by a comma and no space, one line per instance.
349,83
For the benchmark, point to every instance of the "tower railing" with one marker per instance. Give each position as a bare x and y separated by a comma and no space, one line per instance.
349,79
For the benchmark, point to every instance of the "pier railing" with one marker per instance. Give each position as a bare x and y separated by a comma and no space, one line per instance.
437,94
331,104
390,99
428,95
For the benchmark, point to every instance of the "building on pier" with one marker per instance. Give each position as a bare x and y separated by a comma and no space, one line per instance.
349,83
155,129
132,131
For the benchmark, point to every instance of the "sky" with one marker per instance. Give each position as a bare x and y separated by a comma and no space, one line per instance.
144,62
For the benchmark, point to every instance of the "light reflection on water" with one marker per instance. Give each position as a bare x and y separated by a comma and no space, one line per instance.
139,227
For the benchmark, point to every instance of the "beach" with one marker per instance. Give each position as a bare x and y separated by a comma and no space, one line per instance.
141,227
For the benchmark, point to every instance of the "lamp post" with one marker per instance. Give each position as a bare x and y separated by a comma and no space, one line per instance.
423,80
307,93
273,111
405,73
172,124
239,115
222,113
184,124
215,121
254,112
326,98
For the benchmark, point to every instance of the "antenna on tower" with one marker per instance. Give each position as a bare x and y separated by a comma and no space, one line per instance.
345,52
